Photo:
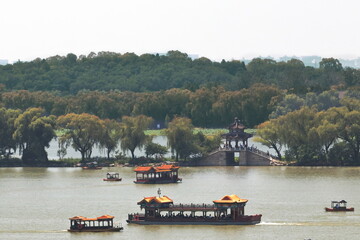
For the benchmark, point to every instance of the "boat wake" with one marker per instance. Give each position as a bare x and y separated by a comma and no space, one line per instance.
308,224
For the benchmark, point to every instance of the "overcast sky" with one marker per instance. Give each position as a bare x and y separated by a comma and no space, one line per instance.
223,29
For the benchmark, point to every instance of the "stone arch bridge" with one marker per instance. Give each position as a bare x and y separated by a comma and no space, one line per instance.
246,157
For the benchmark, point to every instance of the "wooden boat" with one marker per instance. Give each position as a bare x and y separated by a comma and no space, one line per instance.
113,177
99,224
91,166
162,211
166,173
339,206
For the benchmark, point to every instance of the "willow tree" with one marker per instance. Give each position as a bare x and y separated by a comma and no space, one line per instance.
132,133
180,137
7,129
33,132
111,136
82,132
269,134
348,122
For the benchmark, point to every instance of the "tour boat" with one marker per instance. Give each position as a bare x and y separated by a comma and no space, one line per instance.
339,206
166,173
112,176
91,166
99,224
162,211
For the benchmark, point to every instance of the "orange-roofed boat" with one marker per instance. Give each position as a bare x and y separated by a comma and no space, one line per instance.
112,177
100,224
339,206
166,173
162,211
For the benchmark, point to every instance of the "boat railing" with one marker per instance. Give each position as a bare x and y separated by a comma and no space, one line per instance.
118,225
192,205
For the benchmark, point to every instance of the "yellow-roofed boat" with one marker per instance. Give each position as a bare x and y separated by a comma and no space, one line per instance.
100,224
229,210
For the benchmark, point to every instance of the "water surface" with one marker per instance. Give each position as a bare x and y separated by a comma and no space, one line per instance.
37,202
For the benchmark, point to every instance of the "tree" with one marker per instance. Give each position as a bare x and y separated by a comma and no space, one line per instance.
269,134
152,149
300,145
132,132
7,129
111,136
82,132
180,137
348,122
290,103
33,133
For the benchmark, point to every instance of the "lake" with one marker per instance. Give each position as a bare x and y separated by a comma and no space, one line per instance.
37,202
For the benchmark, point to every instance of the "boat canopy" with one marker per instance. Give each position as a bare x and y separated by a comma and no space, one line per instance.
162,168
144,169
230,199
103,217
163,199
167,168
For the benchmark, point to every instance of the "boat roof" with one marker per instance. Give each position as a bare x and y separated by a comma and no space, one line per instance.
103,217
162,168
342,201
112,173
167,167
230,199
163,199
144,169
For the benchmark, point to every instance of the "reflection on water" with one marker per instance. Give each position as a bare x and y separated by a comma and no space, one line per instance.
37,202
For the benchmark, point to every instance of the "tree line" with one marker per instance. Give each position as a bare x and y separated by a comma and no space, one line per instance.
31,131
206,107
310,136
108,91
106,71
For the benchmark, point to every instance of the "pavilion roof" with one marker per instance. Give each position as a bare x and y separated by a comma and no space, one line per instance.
236,124
230,199
163,199
103,217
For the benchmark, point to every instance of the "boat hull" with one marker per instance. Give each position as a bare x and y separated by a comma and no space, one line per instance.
112,180
96,230
155,182
339,209
246,220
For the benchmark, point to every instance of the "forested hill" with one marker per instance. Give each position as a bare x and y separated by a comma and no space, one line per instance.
148,72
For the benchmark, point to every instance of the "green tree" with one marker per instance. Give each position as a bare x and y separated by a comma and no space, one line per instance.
269,134
154,149
180,137
300,144
7,129
132,132
33,133
348,122
82,132
111,136
290,103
